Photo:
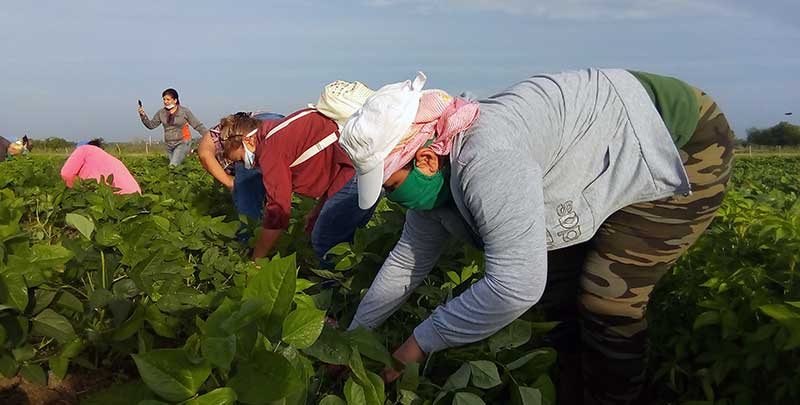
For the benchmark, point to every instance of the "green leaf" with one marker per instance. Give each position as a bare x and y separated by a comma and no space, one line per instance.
52,324
410,379
60,363
220,396
467,398
459,379
83,224
24,353
354,393
545,386
346,263
371,383
303,284
241,316
379,397
171,374
545,357
67,300
160,222
302,327
526,396
514,335
484,374
215,321
332,400
125,288
107,236
219,350
705,319
453,276
268,376
780,312
14,291
42,300
369,345
340,249
130,326
163,324
50,256
274,285
409,398
332,347
8,366
33,373
210,256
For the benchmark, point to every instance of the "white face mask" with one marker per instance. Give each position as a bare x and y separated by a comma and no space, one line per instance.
169,107
249,157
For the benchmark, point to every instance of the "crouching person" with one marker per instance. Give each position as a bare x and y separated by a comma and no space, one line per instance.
624,169
298,154
90,161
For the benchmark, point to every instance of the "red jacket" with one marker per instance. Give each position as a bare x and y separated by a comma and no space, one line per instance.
322,175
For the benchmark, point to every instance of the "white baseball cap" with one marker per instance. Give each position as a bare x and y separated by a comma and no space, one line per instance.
375,129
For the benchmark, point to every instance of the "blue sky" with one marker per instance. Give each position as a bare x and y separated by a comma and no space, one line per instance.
75,69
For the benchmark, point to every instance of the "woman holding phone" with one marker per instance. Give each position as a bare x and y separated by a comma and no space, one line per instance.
173,117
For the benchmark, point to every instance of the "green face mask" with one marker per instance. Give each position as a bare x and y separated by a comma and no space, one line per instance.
422,192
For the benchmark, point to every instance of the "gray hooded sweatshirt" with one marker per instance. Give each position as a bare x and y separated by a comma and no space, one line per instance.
173,133
547,161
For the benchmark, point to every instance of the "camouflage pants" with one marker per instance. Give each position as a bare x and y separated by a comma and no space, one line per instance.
602,341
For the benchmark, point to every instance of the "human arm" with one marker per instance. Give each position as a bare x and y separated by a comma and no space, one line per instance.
407,265
208,158
148,123
266,240
503,193
277,179
194,122
73,165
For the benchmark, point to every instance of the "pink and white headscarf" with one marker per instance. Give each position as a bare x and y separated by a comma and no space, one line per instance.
438,114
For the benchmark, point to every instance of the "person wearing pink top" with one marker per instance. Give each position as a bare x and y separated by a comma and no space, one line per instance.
90,161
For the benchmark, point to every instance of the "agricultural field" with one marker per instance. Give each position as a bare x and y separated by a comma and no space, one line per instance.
151,299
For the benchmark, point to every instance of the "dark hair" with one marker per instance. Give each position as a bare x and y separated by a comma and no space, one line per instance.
27,142
96,142
172,93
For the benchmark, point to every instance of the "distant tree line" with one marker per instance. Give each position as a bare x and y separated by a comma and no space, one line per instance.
782,134
52,143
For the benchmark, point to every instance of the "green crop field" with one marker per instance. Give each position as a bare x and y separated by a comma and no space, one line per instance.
154,296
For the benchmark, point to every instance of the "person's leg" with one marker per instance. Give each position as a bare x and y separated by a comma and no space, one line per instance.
564,267
170,150
248,191
179,153
632,250
338,220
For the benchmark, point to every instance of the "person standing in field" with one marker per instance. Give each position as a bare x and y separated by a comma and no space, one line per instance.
245,185
582,188
90,161
173,117
298,154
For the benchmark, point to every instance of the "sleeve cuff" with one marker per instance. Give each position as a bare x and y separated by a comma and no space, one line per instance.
428,337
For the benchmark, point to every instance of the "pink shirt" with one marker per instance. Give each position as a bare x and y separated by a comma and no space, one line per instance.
91,162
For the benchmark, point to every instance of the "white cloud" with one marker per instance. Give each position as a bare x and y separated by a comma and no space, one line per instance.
574,9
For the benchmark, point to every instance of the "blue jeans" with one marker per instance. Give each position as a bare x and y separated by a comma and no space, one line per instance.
177,153
248,191
338,220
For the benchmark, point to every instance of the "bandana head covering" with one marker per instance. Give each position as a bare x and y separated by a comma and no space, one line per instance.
439,115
